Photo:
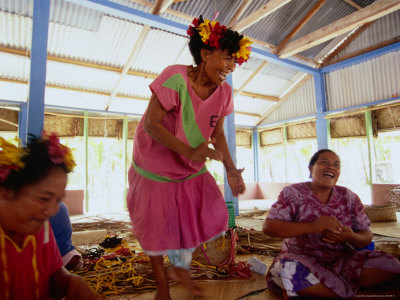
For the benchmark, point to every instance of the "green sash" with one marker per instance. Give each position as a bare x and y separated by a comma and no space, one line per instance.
190,127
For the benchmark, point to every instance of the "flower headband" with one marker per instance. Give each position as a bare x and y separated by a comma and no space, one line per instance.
11,156
212,31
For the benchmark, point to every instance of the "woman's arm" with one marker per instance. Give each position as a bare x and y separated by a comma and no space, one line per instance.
288,229
153,126
234,175
71,286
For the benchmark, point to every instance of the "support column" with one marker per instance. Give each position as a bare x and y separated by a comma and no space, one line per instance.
229,129
126,158
37,78
319,84
255,154
86,135
285,149
371,147
22,123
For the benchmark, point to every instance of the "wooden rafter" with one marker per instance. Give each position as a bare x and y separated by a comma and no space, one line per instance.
348,39
264,11
251,77
368,14
365,50
161,6
239,12
300,25
352,3
260,96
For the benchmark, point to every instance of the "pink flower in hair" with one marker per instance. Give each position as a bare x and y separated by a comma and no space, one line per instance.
56,151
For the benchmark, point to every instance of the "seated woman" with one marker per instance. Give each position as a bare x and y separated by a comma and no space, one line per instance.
323,225
62,229
32,184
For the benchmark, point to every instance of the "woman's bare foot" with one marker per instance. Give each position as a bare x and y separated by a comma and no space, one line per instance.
182,276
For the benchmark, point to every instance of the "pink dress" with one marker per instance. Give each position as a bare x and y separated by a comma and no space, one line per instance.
337,266
25,272
174,203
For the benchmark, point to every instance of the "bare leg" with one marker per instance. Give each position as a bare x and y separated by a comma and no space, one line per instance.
157,263
181,275
370,277
317,290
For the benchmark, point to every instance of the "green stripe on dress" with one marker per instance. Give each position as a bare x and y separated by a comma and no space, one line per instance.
159,178
190,127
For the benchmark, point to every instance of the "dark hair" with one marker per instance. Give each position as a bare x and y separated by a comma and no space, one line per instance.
229,41
37,165
315,157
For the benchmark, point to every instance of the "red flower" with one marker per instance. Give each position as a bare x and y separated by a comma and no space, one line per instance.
56,150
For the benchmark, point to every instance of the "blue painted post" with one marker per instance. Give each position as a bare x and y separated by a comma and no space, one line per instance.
229,128
255,155
22,123
322,129
37,79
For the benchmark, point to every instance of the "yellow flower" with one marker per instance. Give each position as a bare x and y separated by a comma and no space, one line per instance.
204,30
10,155
69,160
244,50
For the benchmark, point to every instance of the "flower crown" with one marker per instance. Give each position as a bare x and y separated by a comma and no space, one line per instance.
211,33
11,156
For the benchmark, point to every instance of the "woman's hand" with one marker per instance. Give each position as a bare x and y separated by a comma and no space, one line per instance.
346,235
202,152
327,224
78,289
235,181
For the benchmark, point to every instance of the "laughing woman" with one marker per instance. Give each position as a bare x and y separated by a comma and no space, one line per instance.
322,225
174,203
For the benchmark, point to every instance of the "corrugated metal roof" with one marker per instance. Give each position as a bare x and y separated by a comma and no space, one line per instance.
370,81
301,103
382,30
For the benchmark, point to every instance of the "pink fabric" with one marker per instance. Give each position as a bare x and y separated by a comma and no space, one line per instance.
171,216
154,157
21,272
168,216
337,266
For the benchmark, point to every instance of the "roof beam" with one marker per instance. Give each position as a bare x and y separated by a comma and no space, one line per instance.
345,42
161,6
264,11
251,77
239,12
352,3
370,13
300,25
259,96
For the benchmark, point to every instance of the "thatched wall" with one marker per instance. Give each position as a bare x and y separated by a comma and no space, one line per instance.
271,137
388,118
63,126
243,138
302,131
